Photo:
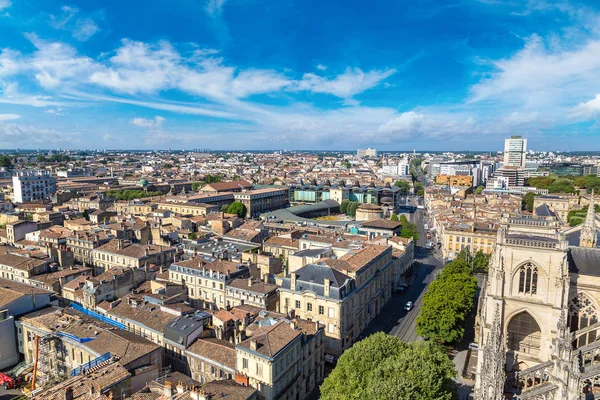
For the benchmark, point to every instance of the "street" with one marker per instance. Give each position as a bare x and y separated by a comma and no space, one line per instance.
393,319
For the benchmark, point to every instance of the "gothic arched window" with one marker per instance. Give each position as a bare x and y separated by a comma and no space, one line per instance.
524,334
582,313
528,279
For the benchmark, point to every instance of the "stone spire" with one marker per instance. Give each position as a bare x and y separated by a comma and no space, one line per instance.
492,372
589,234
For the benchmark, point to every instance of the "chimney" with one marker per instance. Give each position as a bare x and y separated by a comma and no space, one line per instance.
69,393
202,395
293,283
167,391
110,395
326,285
292,325
180,387
249,282
253,344
91,391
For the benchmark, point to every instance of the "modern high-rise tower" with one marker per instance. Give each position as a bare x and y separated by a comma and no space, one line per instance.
515,150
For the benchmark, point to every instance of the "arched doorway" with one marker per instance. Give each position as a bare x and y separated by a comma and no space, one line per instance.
524,334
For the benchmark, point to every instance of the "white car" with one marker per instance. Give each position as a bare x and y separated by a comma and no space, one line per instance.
408,306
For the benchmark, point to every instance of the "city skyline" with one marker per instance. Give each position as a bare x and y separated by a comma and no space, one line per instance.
238,75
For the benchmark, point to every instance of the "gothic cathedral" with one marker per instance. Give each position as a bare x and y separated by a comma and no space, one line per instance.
538,321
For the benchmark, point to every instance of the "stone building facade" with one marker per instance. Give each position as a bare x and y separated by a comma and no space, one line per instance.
538,319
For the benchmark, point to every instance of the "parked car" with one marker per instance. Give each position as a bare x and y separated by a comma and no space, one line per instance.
408,306
330,359
7,381
473,346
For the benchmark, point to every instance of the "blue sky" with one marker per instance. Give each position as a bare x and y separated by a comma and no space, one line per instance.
249,74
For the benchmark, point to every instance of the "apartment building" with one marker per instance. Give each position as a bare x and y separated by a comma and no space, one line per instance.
21,268
118,252
262,200
82,243
33,186
17,230
454,180
251,292
73,339
475,237
206,281
189,208
282,359
343,294
211,359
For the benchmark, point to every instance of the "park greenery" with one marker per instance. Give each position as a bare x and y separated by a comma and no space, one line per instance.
237,207
210,178
576,217
349,207
128,194
383,367
404,187
449,300
5,161
528,201
419,189
409,230
394,217
53,158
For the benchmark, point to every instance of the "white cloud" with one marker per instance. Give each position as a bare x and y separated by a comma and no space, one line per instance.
84,29
587,110
139,67
405,124
4,4
8,117
321,67
542,76
155,123
352,82
54,111
81,29
215,7
56,63
251,82
26,134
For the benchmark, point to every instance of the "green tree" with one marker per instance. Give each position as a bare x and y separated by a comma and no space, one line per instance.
212,178
394,217
479,190
576,217
404,187
167,166
352,206
193,236
448,301
408,229
225,207
238,208
481,262
128,194
196,186
528,199
5,161
344,206
41,158
383,367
